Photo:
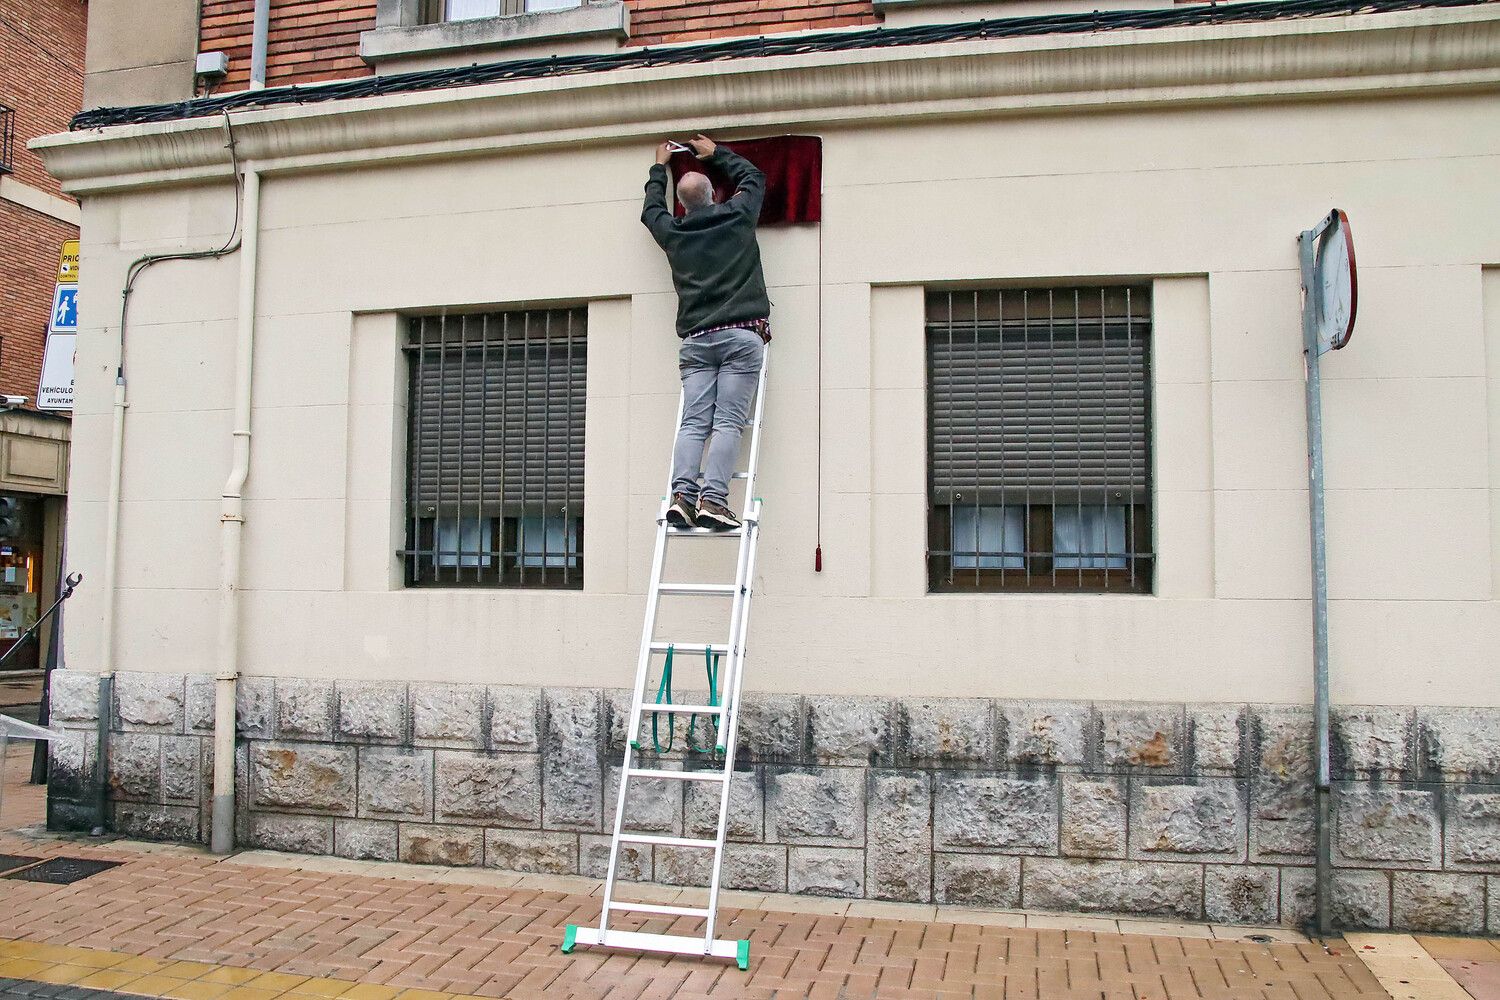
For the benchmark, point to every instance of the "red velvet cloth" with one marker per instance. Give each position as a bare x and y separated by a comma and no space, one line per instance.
793,165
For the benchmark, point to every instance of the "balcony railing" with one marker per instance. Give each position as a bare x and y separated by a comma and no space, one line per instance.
7,137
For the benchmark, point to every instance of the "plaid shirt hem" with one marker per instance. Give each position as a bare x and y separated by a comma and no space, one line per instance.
760,326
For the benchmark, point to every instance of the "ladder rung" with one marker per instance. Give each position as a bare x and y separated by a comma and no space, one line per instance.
691,647
671,911
648,772
703,533
675,944
683,709
701,589
651,838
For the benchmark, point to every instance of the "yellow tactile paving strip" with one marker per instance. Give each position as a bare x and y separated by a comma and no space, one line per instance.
92,968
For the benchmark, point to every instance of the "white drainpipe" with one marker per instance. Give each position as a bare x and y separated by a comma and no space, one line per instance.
232,523
111,553
247,214
258,44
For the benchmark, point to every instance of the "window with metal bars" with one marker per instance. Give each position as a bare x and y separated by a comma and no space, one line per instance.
1039,440
495,418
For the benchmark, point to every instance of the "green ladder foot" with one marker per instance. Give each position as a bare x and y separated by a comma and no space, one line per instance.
742,956
570,938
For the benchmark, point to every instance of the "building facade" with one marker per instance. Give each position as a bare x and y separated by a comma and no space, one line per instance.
41,88
1035,396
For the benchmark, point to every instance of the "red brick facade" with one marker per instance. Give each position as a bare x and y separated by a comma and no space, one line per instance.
309,41
312,40
655,21
29,245
41,77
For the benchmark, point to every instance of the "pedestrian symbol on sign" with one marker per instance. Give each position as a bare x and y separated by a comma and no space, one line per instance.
65,309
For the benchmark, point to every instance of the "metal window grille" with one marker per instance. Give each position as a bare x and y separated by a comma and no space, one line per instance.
1039,440
7,138
495,449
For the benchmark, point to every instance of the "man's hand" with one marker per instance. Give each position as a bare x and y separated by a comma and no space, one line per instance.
664,153
703,146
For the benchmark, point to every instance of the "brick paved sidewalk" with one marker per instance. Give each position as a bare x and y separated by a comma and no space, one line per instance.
212,925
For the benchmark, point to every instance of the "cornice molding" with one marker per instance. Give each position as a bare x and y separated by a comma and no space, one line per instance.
1427,50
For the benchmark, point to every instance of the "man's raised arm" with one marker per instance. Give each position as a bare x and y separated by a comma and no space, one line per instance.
749,182
654,213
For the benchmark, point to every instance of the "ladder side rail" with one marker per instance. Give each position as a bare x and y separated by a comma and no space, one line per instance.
741,580
749,517
739,616
744,570
760,408
643,667
739,602
744,573
731,735
642,675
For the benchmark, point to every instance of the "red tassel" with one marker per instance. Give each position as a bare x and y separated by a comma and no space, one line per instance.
818,559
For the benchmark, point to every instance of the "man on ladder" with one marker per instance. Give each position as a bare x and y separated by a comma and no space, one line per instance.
722,317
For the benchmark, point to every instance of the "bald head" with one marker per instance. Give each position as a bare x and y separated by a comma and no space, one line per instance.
695,191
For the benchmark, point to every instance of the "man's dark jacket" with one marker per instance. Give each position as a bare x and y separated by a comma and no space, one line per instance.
715,259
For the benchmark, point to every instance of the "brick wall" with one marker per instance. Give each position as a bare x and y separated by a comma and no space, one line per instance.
313,40
309,40
29,245
41,77
655,21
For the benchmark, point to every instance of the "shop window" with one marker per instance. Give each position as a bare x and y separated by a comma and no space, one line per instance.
1039,440
495,449
20,575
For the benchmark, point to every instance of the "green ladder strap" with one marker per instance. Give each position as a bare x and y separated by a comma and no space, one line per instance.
664,694
664,690
711,667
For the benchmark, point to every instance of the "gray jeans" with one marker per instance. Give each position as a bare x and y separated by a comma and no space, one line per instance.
719,373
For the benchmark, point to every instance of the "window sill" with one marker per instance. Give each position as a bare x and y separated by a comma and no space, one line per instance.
608,21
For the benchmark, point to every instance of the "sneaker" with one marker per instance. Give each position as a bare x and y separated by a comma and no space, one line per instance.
716,517
683,513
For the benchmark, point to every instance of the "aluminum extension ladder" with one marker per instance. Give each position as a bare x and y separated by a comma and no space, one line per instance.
727,712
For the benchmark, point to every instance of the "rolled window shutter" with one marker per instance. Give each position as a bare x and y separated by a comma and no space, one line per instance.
497,411
1038,405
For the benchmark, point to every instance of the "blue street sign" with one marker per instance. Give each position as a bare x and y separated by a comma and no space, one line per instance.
64,309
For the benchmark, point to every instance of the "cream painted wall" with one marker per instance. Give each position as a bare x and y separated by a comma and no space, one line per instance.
1204,203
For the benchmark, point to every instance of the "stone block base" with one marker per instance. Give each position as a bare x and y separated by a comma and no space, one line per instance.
1197,812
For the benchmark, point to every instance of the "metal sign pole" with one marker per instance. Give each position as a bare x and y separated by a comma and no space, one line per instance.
1311,349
